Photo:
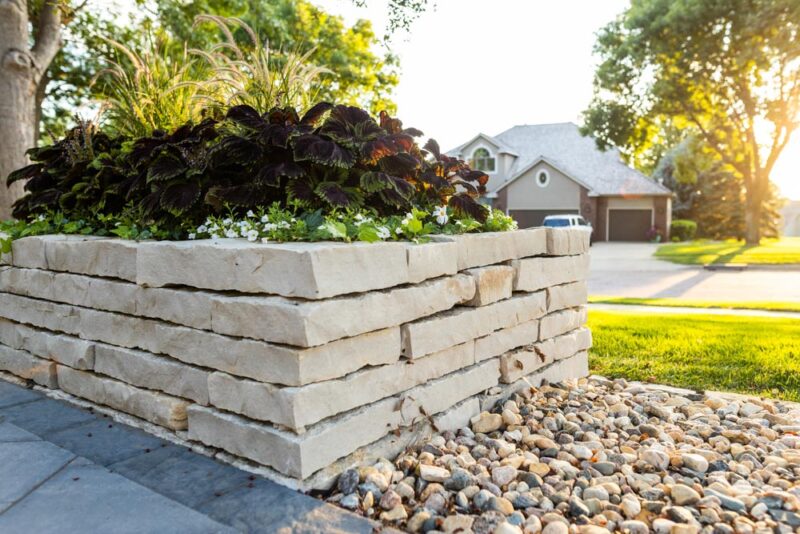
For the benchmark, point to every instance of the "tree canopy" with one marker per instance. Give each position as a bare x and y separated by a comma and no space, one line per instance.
727,72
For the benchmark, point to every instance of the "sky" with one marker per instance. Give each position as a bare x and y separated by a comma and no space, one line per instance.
471,66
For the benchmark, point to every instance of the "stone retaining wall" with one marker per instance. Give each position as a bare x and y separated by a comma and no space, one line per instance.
303,358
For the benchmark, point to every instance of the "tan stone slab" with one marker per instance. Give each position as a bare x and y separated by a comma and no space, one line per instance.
519,363
507,339
567,296
533,274
430,260
92,255
488,248
492,283
300,456
567,241
565,345
71,351
306,270
158,408
25,365
298,407
149,371
311,323
560,322
266,362
463,323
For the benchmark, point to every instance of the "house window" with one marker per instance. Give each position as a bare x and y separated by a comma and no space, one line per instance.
542,178
482,160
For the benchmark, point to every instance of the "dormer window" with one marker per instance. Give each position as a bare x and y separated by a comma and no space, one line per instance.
482,160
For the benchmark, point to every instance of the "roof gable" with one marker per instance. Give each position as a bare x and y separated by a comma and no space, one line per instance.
500,146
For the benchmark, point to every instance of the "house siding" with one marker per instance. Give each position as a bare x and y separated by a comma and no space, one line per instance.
562,193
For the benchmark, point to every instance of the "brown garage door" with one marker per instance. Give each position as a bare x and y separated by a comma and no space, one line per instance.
531,218
629,225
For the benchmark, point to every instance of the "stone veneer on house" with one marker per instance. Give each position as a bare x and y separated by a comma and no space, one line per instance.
304,358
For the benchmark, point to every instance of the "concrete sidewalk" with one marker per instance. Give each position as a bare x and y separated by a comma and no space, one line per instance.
654,310
67,469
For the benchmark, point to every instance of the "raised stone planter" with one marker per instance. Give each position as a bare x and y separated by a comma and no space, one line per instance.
302,358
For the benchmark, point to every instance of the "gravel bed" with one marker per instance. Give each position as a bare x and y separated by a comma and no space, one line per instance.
594,456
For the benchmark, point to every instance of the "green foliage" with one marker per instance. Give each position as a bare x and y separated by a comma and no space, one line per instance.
683,229
701,252
725,72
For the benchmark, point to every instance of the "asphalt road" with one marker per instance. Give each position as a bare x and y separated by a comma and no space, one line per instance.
630,270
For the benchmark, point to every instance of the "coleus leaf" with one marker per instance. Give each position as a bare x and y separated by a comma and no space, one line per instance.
333,193
372,182
474,176
313,115
271,173
300,190
464,204
245,116
385,146
238,195
166,166
284,116
320,150
40,182
179,198
401,164
25,173
351,126
433,147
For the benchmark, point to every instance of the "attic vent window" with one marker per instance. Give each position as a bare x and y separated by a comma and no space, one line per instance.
482,160
542,178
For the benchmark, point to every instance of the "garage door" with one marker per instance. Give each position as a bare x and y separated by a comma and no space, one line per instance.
531,218
629,225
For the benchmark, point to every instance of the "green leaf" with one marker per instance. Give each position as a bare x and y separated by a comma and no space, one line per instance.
368,233
336,230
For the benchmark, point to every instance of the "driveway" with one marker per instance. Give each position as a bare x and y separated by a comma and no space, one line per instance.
630,270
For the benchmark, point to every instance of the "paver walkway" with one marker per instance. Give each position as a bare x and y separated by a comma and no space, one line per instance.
67,469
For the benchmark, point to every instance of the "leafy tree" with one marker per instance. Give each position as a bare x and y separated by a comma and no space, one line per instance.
728,70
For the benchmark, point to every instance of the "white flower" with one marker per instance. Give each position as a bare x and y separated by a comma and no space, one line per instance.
252,235
192,236
441,215
383,232
214,236
213,228
398,230
359,217
294,220
40,218
284,224
269,227
264,240
250,213
227,221
231,233
264,219
202,229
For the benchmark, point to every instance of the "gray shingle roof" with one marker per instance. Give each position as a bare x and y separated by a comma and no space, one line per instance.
562,144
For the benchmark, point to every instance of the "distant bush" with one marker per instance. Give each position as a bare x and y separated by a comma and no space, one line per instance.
683,229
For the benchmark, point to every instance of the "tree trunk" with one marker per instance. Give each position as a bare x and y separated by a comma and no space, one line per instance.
753,205
21,69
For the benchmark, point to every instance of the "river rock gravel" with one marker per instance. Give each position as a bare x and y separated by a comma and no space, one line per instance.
594,456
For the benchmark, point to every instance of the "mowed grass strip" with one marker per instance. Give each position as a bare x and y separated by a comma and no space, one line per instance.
692,303
752,355
785,250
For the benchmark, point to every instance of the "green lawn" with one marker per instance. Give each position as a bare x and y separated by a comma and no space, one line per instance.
770,251
753,355
691,303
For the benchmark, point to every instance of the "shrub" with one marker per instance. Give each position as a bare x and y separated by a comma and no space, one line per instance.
683,229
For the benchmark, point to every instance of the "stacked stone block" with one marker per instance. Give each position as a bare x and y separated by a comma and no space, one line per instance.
299,357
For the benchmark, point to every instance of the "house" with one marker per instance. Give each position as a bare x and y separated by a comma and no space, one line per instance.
791,218
542,169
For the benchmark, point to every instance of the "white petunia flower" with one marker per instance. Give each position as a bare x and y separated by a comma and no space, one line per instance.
264,219
192,236
398,230
284,224
269,227
227,221
359,217
441,215
202,229
250,213
214,236
252,235
384,232
231,234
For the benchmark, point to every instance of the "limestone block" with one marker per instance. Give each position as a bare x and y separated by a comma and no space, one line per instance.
507,339
560,322
25,365
301,455
151,406
519,363
298,407
149,371
565,345
430,260
530,242
77,353
463,324
261,361
567,296
579,241
567,241
477,250
30,251
307,270
532,274
312,323
492,283
112,258
186,307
